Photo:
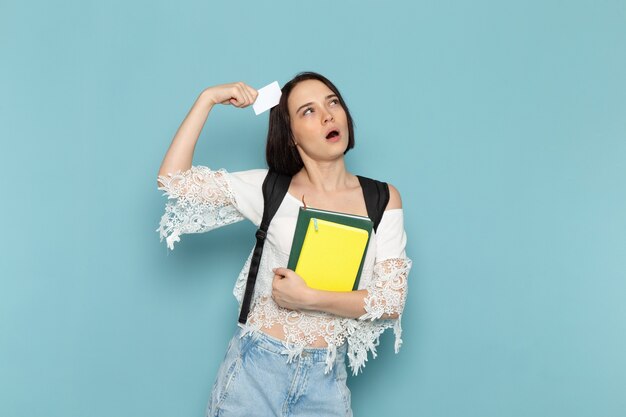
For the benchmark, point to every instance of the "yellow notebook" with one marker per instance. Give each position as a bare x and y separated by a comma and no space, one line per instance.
329,249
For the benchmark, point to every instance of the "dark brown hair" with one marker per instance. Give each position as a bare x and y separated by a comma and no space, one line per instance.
281,154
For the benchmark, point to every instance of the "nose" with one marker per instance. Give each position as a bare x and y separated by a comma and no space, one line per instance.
328,117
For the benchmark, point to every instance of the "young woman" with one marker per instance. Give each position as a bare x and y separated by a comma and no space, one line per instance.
289,357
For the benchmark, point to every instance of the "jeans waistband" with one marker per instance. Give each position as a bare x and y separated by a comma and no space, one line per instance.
273,344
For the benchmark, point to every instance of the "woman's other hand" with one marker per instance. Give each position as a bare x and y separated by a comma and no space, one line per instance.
237,94
289,290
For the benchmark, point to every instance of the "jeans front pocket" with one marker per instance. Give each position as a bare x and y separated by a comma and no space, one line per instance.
226,374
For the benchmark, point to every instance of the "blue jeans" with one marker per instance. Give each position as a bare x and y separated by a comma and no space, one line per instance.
254,379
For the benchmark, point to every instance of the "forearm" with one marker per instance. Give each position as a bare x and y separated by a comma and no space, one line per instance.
179,156
345,304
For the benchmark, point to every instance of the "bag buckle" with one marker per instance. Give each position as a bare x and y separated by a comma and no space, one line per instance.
261,234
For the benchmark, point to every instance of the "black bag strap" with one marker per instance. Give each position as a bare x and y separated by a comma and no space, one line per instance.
376,195
275,187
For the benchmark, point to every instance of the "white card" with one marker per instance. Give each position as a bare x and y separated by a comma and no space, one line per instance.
268,97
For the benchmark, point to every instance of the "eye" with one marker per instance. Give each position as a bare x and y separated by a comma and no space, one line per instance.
306,110
336,101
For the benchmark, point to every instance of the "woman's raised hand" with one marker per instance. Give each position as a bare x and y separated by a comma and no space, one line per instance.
238,94
179,155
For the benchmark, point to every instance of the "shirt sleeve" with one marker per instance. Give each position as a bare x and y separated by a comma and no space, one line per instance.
388,288
386,292
203,199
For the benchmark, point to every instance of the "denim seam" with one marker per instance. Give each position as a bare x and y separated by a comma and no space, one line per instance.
341,387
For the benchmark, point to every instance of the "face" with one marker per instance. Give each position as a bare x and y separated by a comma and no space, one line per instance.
315,113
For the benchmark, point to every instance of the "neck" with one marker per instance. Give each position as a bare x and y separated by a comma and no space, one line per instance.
324,176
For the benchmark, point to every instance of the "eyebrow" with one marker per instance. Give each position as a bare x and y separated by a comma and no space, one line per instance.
307,104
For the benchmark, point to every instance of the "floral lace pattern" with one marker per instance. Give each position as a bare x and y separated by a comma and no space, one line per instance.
205,201
387,292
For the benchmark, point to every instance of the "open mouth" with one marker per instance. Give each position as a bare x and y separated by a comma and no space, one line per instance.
332,134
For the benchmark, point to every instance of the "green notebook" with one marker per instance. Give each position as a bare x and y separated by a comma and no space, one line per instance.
329,248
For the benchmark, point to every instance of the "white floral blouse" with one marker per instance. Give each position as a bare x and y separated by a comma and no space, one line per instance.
205,199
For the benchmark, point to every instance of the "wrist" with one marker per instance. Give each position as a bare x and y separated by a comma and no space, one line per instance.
206,99
311,299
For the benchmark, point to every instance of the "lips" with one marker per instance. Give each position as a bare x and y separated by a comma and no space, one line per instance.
332,134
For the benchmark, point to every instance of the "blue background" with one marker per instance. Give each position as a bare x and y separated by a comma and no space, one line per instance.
501,123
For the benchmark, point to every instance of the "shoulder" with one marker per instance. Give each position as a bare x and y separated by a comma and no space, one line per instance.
395,202
247,185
